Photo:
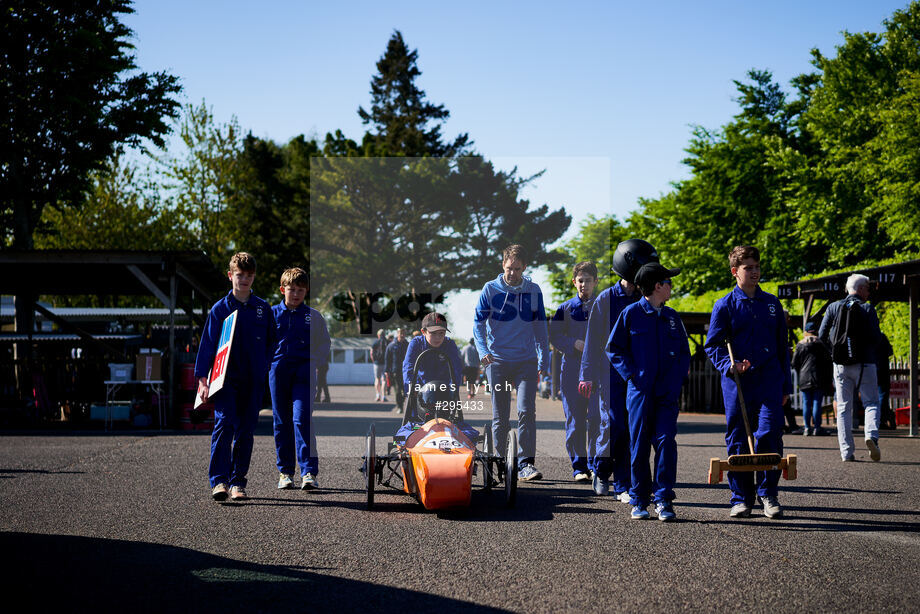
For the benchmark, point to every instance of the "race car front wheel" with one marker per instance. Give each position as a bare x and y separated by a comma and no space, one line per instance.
511,469
370,465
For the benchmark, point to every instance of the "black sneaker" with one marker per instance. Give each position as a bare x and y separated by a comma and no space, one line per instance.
874,453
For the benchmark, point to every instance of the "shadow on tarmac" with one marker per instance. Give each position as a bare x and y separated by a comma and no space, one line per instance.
85,573
43,471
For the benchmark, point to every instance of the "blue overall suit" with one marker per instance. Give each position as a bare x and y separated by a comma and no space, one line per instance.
650,350
756,328
612,455
582,416
237,404
303,344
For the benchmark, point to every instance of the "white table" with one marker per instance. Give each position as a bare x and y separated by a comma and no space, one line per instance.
113,386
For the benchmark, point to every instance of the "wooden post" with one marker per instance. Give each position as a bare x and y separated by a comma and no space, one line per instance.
914,307
170,377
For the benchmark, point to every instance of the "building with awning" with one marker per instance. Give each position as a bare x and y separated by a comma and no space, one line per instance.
890,283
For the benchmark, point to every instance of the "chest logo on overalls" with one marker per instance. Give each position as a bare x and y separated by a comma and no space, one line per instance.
772,310
259,312
672,323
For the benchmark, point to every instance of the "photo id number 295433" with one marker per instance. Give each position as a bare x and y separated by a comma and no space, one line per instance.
462,405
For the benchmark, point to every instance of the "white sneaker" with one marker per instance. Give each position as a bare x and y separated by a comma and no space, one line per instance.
309,482
623,497
285,481
581,476
771,507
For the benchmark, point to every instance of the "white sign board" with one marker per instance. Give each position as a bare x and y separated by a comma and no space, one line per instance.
221,358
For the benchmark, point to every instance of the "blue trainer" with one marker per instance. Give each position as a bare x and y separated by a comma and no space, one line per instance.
665,512
528,472
639,513
601,486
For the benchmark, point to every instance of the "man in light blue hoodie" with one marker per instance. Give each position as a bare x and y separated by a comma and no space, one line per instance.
511,337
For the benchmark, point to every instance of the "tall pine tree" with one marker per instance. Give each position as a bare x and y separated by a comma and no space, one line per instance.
403,122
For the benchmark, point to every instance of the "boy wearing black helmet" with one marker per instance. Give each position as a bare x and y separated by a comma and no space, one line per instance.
649,349
596,373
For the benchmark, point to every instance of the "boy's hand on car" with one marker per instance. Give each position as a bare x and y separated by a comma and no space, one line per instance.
585,389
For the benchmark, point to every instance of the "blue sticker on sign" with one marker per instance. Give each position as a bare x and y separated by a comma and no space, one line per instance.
225,331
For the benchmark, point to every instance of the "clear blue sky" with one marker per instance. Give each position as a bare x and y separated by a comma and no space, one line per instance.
600,94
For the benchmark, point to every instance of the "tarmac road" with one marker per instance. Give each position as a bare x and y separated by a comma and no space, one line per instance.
124,521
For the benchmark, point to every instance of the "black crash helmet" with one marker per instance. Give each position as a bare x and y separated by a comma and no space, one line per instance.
630,255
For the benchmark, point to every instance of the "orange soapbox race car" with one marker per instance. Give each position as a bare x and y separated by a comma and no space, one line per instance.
435,455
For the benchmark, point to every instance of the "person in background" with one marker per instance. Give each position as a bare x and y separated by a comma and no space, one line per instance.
811,360
470,367
882,364
322,386
396,353
379,359
853,338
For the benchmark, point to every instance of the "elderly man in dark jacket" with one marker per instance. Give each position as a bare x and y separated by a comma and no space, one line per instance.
855,374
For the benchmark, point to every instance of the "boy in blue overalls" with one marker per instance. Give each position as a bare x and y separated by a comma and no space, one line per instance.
303,344
649,349
443,367
612,451
753,321
237,404
567,331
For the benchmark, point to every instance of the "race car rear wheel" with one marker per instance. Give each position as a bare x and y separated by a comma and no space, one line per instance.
489,451
511,469
370,465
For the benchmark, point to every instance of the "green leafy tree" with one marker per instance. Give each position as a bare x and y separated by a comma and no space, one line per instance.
202,178
731,197
71,96
854,188
269,207
596,241
122,210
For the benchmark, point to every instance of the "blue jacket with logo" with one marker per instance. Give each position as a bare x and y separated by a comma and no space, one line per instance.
510,323
650,349
253,340
302,335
